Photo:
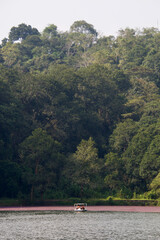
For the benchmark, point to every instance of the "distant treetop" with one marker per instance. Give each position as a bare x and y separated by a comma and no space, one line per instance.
21,32
83,27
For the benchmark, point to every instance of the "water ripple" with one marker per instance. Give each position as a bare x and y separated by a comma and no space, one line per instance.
61,225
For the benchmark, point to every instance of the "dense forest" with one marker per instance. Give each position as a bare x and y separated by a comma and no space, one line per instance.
79,113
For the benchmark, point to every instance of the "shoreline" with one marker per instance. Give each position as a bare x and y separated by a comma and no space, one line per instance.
143,209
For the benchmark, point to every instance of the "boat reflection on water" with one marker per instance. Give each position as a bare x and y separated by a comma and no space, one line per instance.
80,207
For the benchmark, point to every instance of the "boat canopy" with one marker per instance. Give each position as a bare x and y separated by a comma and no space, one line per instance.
80,204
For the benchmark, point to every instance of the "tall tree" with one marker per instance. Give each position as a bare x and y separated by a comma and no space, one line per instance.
21,32
84,165
40,158
83,27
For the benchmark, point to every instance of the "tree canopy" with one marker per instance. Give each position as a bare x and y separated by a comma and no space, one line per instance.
79,113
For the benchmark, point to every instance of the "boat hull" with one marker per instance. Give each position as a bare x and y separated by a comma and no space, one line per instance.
80,210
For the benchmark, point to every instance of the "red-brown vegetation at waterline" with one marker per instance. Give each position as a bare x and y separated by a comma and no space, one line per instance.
89,208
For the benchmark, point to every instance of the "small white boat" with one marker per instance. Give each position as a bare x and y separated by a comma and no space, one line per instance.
80,207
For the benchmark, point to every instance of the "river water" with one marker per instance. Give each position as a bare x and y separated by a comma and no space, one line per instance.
69,225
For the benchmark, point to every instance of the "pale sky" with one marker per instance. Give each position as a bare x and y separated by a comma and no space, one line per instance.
107,16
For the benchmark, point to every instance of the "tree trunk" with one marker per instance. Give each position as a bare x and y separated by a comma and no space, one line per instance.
81,193
32,192
32,188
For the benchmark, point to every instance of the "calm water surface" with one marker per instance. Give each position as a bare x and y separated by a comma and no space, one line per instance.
79,226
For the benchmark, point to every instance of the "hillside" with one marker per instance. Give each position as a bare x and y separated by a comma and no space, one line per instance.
79,113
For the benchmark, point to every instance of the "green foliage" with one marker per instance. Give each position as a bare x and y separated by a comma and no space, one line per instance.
150,163
84,166
122,135
40,158
21,32
83,27
50,31
114,169
77,87
10,178
155,184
